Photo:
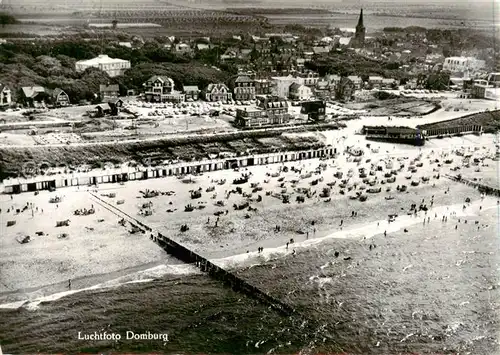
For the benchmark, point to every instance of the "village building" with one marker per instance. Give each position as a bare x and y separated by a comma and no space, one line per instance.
280,85
345,90
359,37
323,90
315,110
217,92
111,107
251,117
332,79
109,91
466,66
5,96
309,78
268,111
112,66
396,134
375,82
161,89
183,48
300,92
191,92
203,46
262,87
276,109
34,96
357,81
59,98
244,88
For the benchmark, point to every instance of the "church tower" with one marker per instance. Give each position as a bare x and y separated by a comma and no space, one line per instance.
359,37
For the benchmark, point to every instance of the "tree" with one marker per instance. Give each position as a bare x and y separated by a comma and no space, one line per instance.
6,19
254,54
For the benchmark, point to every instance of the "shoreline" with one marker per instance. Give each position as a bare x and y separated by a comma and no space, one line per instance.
274,250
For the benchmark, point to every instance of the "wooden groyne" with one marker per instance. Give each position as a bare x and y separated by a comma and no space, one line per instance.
488,190
190,257
227,278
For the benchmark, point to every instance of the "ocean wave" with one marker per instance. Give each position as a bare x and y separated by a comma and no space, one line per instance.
34,299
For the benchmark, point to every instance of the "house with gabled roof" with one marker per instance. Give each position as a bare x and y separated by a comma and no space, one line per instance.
300,92
109,91
59,98
34,95
345,89
217,92
161,89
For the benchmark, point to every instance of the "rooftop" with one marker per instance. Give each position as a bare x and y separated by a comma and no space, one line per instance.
102,59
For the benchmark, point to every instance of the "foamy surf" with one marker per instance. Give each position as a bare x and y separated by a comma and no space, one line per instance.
34,299
367,231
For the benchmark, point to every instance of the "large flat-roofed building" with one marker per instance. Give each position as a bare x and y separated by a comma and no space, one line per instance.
112,66
467,65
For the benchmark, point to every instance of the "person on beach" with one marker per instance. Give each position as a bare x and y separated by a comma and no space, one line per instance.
287,245
341,222
385,233
69,284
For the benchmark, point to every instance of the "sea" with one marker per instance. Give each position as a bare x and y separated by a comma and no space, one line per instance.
355,291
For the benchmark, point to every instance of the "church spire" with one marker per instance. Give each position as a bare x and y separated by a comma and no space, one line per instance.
360,21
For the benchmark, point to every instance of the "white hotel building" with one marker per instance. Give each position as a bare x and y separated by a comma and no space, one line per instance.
112,66
466,65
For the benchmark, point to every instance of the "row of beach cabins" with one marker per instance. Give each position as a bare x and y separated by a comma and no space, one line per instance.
94,177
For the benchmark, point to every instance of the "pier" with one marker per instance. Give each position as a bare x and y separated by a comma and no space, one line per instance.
190,257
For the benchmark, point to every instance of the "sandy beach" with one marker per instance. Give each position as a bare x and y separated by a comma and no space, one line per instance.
97,242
